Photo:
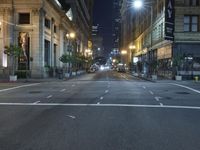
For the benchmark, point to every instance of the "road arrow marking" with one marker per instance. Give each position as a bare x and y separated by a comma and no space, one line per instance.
158,98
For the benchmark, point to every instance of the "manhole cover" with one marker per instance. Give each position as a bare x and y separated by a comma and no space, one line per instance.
34,92
182,93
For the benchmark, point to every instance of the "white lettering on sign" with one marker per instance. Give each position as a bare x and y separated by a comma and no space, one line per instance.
169,9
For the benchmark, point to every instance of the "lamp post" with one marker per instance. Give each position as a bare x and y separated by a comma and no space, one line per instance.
132,48
138,4
70,37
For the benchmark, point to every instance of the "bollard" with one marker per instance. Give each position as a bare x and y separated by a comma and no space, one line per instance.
196,78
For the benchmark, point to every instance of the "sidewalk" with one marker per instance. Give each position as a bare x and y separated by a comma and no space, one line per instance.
5,83
190,83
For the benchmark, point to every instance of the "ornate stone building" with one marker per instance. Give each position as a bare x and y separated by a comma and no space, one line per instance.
166,34
40,28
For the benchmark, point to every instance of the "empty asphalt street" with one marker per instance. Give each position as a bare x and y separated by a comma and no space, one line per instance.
105,110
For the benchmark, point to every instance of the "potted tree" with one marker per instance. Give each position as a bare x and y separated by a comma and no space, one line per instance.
154,66
66,59
14,52
177,61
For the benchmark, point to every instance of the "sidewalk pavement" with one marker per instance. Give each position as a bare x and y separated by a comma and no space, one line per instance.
5,83
189,83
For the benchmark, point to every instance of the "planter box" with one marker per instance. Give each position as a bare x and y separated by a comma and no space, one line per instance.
178,78
13,78
154,77
73,73
67,75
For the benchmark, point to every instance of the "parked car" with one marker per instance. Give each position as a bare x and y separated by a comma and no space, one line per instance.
121,68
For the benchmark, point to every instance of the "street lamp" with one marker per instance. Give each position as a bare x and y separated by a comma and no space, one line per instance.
123,52
70,37
132,47
137,4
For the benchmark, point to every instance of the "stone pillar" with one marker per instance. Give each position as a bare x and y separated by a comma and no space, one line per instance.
37,43
61,44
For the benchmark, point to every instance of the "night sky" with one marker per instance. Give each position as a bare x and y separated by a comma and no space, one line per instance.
103,17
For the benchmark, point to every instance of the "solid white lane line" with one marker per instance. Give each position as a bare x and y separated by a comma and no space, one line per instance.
62,90
70,116
101,105
50,96
186,87
151,92
36,102
101,98
17,87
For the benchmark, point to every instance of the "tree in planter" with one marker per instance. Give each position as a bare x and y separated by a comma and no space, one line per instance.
154,66
14,52
177,61
66,58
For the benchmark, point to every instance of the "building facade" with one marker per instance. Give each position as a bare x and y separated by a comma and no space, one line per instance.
40,28
97,41
166,34
126,31
116,24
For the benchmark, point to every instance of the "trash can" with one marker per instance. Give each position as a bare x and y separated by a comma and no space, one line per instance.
60,73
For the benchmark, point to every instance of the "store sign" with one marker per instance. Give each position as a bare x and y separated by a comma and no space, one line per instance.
169,20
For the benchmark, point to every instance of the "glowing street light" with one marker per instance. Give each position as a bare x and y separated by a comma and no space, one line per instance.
137,4
123,52
132,47
71,35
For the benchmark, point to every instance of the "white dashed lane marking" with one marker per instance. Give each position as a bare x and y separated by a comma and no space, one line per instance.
151,92
50,96
62,90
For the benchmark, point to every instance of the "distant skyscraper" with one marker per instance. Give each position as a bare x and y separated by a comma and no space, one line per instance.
116,23
97,42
